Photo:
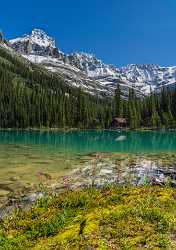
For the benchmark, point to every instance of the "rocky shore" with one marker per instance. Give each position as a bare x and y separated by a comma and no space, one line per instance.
99,171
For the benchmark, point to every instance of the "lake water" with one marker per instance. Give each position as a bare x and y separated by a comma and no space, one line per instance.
24,154
84,142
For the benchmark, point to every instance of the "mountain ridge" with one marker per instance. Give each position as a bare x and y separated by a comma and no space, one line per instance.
90,73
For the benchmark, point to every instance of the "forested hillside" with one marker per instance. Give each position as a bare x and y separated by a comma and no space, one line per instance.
32,97
156,111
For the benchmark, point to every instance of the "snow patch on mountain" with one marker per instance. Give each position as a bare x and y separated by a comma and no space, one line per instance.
90,73
37,36
93,67
153,76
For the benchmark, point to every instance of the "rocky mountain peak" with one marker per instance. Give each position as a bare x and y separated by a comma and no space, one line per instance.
38,37
36,43
41,38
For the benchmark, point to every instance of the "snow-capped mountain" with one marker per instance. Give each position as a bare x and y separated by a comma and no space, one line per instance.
91,74
38,37
92,66
37,43
153,76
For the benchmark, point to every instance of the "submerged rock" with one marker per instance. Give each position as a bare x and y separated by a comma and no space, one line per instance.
121,138
106,172
99,170
138,170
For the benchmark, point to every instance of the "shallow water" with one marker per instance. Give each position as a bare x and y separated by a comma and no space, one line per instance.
24,154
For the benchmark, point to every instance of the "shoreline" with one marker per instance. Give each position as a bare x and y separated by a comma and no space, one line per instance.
98,173
142,129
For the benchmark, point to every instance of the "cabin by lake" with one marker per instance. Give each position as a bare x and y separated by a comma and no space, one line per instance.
119,122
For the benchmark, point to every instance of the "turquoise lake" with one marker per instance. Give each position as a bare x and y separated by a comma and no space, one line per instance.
84,142
24,154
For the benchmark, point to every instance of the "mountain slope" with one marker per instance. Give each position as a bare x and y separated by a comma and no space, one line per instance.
86,71
31,96
78,69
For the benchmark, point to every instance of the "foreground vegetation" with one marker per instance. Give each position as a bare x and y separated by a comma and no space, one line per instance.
110,218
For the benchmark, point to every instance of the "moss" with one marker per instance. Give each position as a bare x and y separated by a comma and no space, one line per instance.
110,218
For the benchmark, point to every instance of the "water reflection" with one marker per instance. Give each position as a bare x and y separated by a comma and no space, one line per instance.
94,141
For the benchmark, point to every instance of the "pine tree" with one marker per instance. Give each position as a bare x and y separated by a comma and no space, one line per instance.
118,102
133,116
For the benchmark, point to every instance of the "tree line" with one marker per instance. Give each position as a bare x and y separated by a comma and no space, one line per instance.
32,97
158,110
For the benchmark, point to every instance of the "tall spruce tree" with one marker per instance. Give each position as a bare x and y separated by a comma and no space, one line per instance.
118,102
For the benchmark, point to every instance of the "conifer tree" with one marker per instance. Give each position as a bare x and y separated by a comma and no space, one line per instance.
118,102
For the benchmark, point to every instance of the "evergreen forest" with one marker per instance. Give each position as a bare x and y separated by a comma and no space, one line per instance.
31,97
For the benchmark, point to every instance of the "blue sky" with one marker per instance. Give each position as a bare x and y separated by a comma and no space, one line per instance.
119,32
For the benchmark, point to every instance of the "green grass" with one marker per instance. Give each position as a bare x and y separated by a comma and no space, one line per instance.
111,218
